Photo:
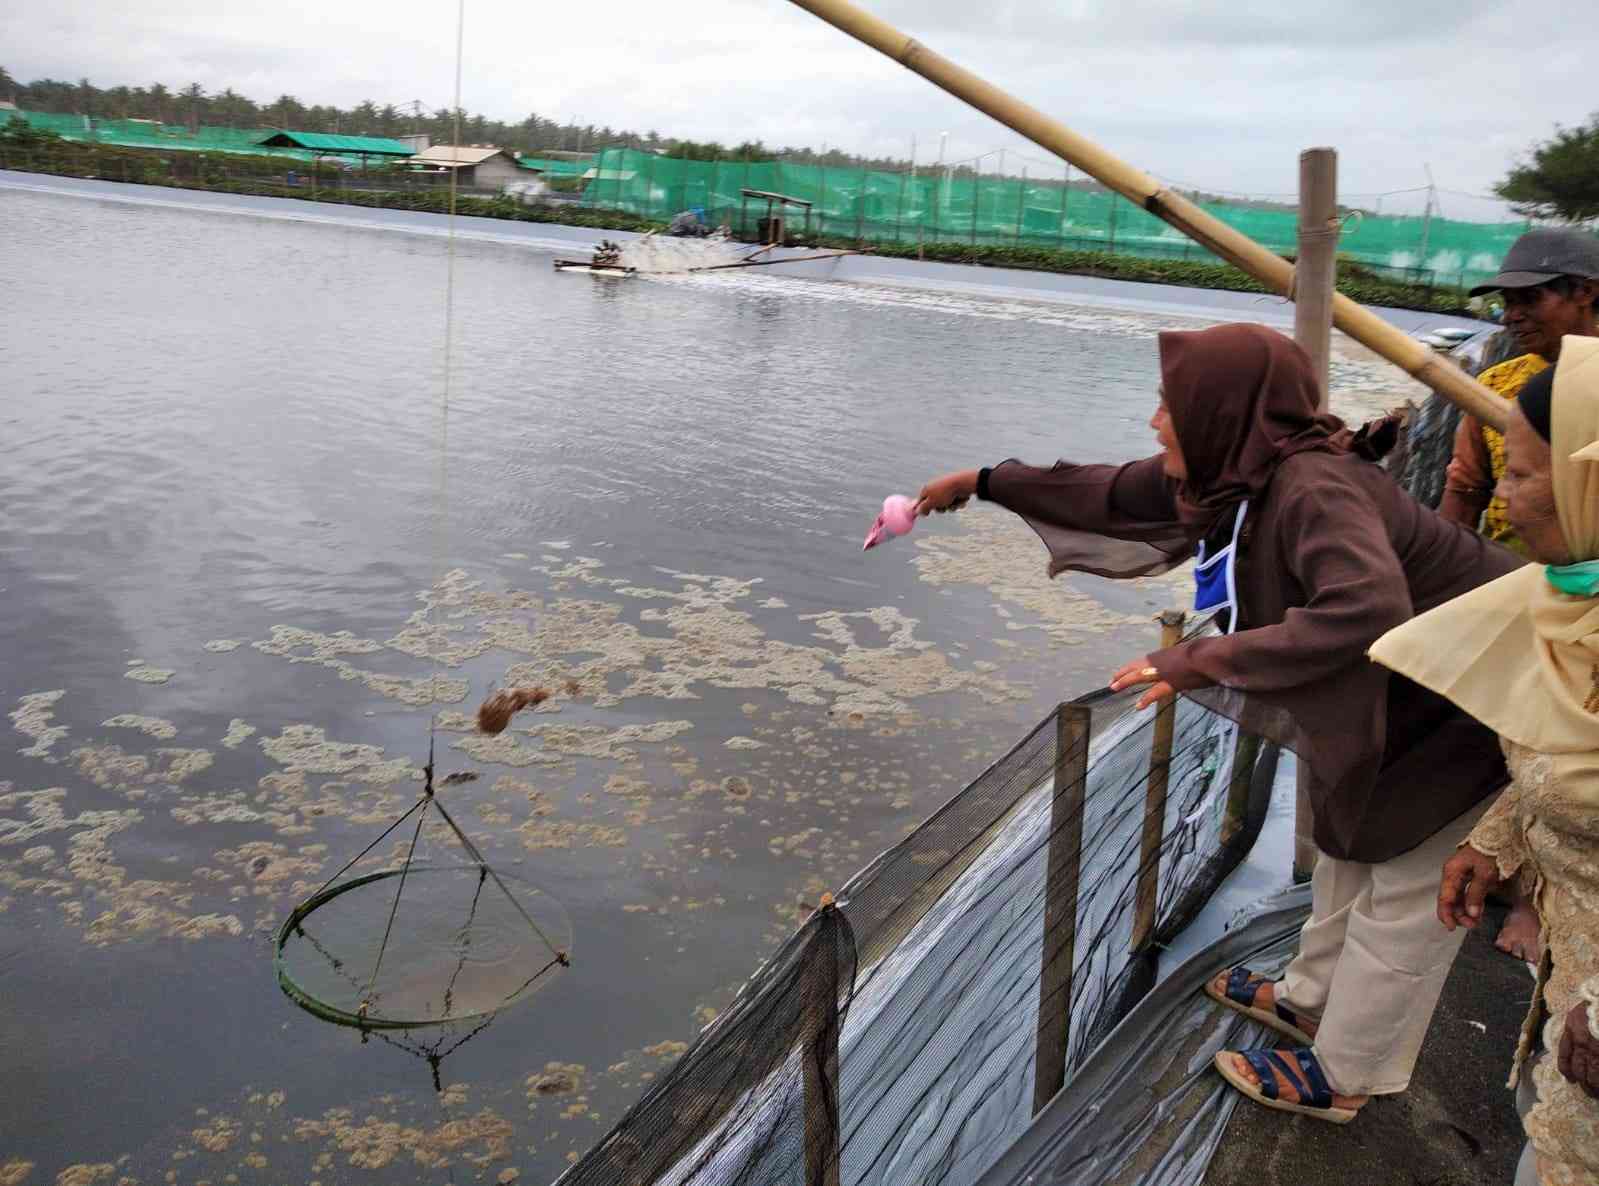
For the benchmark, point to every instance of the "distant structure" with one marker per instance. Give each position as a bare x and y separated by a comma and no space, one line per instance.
418,141
324,144
481,166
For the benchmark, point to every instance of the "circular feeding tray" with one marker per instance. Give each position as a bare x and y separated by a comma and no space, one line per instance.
452,943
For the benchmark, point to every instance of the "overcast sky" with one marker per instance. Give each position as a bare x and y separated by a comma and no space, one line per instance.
1217,93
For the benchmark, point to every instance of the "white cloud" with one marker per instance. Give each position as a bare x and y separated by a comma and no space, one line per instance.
1217,94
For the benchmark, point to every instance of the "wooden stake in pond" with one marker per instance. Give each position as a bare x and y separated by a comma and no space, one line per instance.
1210,232
1172,622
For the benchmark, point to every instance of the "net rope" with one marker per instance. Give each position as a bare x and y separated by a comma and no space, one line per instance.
557,956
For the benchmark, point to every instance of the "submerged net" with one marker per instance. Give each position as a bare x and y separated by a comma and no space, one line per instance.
910,1031
457,949
421,943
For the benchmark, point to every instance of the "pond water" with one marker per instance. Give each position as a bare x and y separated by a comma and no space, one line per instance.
250,569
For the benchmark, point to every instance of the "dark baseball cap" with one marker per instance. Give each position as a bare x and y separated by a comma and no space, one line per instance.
1541,255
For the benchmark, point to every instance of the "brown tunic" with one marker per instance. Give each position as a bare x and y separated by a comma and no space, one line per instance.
1334,554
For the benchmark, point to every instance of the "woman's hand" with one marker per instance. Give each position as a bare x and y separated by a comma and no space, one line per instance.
1579,1051
948,493
1468,876
1141,671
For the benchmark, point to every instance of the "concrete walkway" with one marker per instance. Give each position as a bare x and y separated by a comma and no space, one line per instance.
1456,1126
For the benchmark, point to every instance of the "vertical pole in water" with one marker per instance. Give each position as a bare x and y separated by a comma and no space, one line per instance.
977,181
1171,633
821,206
820,1052
744,187
1314,277
860,211
1060,902
1426,223
1065,197
899,208
1021,207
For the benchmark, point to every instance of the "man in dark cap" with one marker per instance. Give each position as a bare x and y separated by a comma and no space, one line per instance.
1549,282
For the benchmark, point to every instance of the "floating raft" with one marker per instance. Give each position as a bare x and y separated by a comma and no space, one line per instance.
578,265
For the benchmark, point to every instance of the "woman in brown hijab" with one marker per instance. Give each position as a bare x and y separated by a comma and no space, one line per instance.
1309,552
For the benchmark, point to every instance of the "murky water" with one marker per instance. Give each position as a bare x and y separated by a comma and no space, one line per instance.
241,546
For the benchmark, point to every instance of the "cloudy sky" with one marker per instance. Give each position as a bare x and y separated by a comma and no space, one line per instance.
1216,93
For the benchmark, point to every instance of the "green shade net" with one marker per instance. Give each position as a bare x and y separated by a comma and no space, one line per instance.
1010,211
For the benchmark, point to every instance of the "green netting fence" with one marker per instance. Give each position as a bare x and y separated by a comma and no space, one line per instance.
142,133
930,205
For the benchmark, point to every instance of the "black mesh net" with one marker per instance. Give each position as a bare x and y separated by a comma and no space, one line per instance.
910,1031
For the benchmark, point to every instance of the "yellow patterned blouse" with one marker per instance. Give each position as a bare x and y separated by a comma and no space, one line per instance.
1506,379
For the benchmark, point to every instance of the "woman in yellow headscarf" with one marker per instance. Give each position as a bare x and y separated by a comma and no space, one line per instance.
1521,654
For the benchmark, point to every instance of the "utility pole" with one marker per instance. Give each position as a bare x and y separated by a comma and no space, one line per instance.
1426,218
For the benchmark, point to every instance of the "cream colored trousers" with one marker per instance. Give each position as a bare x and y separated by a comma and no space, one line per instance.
1372,961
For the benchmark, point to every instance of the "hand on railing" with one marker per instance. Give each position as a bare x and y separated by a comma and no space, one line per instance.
1141,671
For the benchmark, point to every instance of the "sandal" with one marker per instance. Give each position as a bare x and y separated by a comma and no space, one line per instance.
1242,985
1304,1072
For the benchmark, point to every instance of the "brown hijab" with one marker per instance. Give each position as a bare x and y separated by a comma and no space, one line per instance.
1242,400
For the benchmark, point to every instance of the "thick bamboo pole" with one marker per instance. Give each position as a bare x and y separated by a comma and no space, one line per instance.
1236,248
1313,297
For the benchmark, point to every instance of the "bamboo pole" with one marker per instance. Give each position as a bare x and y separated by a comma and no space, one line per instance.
1236,248
1313,299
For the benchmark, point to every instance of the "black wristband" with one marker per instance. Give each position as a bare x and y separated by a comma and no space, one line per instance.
982,483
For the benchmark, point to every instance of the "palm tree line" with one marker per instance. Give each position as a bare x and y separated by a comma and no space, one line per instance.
193,106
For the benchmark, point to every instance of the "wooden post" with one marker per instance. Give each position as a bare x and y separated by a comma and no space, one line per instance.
1171,633
1314,279
1072,724
1245,754
821,1054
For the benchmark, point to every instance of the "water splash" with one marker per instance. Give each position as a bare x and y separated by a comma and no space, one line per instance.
658,253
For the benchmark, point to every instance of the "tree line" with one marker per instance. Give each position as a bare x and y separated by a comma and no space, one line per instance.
195,107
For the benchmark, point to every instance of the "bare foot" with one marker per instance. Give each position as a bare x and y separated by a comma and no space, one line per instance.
1288,1088
1265,998
1519,935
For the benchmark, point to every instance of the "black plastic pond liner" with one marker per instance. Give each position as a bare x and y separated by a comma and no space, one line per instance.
910,1030
1146,1108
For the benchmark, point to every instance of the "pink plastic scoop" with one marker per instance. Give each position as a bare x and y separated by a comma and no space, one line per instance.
898,517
